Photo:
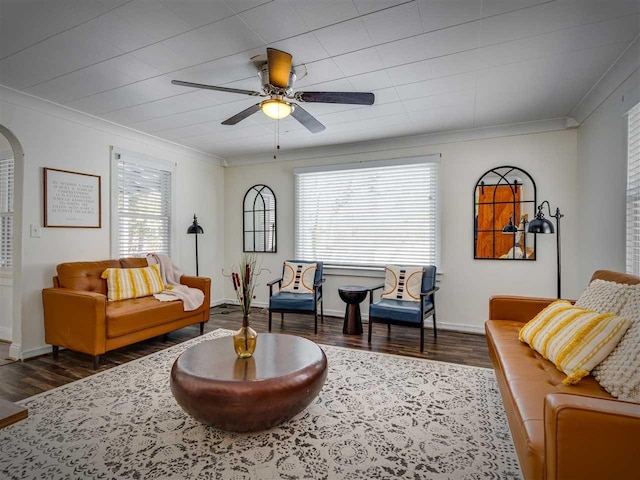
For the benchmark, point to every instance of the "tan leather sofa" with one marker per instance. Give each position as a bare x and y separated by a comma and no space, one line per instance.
560,432
77,315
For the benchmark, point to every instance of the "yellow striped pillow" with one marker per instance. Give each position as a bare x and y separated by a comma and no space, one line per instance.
123,283
575,340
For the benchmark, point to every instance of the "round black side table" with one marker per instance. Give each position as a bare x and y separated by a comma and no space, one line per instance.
352,296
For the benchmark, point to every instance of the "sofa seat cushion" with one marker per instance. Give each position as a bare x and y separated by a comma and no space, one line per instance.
398,310
133,315
291,301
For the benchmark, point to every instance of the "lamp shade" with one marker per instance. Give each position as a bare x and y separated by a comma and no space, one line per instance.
510,227
540,225
276,109
194,228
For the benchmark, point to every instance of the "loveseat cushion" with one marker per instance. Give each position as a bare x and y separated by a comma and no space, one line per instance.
127,316
85,276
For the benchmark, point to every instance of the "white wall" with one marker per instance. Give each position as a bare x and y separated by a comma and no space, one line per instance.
55,137
602,182
466,284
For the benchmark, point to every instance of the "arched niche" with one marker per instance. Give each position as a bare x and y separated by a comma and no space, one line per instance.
259,220
15,275
504,202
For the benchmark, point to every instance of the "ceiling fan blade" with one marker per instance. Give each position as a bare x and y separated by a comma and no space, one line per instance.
238,117
355,98
218,89
279,67
306,119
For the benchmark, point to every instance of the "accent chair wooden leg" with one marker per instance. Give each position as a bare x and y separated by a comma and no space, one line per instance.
56,350
435,329
281,317
422,337
370,327
321,311
269,319
201,328
96,361
315,317
388,328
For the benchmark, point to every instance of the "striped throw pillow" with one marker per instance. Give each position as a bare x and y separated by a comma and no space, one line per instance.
575,340
123,283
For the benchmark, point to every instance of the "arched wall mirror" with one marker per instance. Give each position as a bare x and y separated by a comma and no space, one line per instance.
504,202
259,219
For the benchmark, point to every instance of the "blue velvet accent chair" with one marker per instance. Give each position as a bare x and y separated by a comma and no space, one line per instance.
305,303
406,313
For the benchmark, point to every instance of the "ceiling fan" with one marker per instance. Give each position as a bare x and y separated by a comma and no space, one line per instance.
277,78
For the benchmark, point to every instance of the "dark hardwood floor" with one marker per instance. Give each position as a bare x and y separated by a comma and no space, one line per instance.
20,380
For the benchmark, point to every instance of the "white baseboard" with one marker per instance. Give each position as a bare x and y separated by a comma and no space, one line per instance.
15,351
220,301
6,333
34,352
454,327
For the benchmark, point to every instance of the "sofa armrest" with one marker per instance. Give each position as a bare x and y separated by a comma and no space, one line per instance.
590,437
201,283
75,319
519,309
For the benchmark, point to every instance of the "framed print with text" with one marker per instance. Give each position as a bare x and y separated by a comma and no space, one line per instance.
71,199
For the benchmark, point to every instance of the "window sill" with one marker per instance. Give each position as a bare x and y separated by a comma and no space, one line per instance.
371,272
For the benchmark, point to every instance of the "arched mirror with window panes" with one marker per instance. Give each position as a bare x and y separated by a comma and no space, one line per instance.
259,219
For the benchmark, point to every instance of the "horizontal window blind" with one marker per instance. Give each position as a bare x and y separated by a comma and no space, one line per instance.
368,216
6,213
633,191
144,209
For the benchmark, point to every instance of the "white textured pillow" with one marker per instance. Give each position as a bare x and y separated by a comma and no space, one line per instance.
619,373
402,283
604,297
298,277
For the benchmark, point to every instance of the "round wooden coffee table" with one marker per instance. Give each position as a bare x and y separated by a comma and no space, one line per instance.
214,386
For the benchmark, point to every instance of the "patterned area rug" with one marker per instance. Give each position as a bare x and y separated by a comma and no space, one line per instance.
378,416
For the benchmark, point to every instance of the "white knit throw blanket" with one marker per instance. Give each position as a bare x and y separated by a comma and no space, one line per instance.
191,298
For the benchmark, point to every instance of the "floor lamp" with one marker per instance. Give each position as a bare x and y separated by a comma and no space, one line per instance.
195,229
542,225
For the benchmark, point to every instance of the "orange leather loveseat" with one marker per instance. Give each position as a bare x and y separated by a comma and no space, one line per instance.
560,432
77,315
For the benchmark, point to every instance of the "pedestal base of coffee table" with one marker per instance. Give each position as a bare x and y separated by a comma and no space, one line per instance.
282,378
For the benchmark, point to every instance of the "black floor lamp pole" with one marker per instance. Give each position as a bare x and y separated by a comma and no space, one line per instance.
197,271
557,216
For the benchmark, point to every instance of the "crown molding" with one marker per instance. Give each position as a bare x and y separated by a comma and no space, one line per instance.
413,141
47,107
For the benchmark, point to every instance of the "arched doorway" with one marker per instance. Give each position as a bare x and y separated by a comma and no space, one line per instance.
11,174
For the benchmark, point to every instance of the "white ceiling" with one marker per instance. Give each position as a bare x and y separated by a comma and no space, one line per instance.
434,65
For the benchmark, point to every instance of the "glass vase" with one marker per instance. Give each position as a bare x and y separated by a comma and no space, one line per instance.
245,339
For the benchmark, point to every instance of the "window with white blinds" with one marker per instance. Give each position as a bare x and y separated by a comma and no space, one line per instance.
633,191
142,220
6,213
368,214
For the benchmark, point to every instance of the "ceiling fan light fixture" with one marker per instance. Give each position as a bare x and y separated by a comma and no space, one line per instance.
276,109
